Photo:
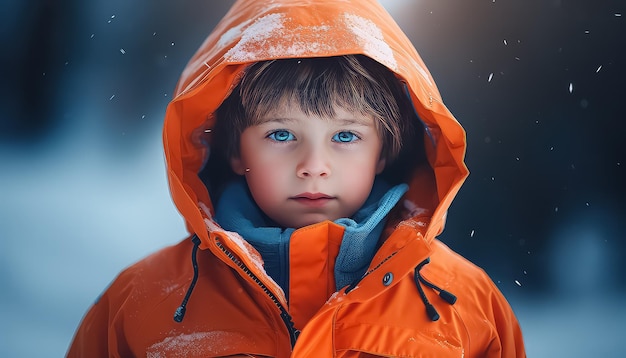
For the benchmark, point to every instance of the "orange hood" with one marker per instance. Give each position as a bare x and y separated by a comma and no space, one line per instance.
256,30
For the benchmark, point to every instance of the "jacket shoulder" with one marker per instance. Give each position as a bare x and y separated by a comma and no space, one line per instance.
160,267
455,267
489,320
132,294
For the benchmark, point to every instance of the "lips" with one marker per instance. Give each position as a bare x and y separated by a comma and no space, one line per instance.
312,196
312,199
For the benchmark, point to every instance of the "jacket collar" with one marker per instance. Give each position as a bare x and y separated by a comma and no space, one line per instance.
236,211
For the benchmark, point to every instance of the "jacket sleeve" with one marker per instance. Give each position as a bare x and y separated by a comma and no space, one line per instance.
509,341
90,339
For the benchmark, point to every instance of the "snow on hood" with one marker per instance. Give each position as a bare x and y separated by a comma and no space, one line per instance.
255,30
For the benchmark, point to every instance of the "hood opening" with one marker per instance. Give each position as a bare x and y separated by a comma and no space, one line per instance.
216,172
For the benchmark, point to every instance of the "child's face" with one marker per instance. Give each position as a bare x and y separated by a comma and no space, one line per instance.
302,169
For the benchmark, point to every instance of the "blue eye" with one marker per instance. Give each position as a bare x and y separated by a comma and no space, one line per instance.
345,137
281,136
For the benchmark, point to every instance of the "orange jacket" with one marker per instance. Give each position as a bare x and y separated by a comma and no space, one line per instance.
235,308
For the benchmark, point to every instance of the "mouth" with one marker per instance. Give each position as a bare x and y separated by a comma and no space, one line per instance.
312,199
312,196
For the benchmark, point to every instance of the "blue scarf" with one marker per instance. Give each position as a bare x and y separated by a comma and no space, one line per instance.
237,211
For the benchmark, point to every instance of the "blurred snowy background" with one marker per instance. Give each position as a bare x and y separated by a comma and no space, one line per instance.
538,84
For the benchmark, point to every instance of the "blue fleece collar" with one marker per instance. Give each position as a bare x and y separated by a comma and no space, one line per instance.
237,211
362,233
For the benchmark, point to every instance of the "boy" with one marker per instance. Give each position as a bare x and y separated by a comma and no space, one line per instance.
313,161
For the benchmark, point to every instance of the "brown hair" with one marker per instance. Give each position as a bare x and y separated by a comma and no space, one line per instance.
354,82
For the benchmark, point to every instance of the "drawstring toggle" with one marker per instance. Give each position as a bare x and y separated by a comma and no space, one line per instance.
180,311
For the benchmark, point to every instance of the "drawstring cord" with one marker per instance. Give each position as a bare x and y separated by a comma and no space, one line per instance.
180,311
445,295
419,281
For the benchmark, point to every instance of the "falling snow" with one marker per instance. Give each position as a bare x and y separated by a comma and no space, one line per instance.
176,338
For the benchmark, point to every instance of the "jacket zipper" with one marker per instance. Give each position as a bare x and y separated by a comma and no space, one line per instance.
284,315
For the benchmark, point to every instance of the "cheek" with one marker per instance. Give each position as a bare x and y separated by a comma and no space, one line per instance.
366,163
360,185
265,189
357,187
265,180
260,178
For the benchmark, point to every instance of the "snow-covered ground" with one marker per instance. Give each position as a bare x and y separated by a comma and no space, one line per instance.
72,216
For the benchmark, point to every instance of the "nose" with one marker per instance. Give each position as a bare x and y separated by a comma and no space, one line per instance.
314,162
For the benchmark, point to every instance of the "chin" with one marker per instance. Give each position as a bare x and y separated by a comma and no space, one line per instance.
312,221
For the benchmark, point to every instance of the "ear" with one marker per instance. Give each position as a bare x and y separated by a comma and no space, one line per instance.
381,165
236,164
